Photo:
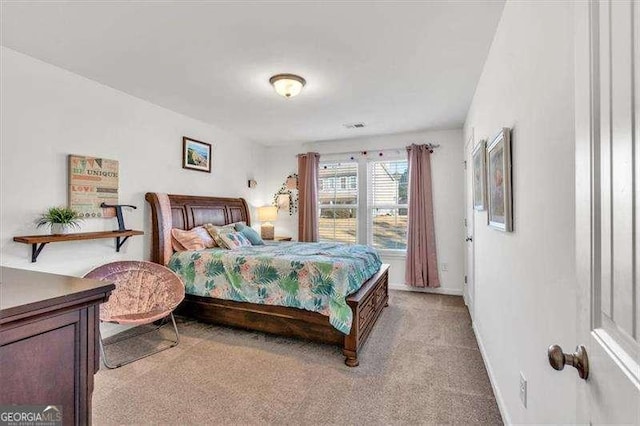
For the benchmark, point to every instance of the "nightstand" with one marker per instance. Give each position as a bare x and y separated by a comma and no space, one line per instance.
278,240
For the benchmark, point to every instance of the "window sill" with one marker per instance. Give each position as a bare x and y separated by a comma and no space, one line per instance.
393,254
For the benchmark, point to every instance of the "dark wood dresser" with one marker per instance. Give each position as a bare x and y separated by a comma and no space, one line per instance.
49,347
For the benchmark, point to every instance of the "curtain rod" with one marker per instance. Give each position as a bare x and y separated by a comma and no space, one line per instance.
366,152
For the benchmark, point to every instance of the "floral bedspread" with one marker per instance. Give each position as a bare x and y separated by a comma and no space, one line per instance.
313,276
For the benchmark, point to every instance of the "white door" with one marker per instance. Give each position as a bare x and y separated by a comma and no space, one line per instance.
607,210
468,222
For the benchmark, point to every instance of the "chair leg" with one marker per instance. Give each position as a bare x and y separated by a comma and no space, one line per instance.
103,353
175,329
111,366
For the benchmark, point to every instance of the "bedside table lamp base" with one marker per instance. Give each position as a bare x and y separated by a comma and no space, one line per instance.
266,215
267,231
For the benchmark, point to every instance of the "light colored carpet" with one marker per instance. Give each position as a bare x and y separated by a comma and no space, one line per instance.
420,365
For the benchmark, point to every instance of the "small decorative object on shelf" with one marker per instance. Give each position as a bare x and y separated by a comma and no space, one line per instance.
60,219
119,215
121,227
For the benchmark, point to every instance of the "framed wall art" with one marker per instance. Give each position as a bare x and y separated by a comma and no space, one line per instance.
92,181
500,197
480,176
196,155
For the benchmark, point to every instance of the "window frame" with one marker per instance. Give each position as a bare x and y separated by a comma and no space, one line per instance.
370,205
336,187
364,205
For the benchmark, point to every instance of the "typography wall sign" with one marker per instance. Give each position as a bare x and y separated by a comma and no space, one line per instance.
92,181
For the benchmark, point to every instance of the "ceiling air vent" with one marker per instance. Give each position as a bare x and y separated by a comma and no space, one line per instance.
353,125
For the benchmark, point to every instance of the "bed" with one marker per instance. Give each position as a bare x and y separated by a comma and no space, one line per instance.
350,331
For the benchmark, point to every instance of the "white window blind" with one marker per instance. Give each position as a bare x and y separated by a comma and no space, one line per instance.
338,202
388,185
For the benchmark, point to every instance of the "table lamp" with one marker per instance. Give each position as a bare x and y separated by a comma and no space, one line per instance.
266,215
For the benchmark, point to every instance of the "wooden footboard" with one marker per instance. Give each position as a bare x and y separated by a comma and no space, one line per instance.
366,305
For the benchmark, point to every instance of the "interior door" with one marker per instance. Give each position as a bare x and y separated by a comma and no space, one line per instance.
468,290
607,219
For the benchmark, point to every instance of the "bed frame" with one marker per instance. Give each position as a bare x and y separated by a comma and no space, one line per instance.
188,211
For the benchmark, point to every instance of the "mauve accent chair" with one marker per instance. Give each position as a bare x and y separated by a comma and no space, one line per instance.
145,293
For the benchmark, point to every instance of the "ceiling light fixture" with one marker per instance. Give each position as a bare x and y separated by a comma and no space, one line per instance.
287,85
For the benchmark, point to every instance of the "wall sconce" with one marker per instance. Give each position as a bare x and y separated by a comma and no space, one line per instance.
252,183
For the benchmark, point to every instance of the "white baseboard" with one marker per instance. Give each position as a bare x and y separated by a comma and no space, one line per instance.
496,391
439,290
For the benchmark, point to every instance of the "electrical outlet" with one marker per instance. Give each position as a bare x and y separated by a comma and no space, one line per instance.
444,267
523,390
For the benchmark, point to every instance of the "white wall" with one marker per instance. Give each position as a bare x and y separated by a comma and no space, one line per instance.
448,194
48,113
525,287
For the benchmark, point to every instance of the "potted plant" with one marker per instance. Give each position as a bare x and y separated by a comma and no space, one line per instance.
61,220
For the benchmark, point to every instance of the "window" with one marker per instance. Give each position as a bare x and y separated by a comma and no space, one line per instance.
382,220
388,204
353,182
338,203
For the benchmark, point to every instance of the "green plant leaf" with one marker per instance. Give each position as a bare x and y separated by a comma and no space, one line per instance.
290,284
237,263
292,302
325,268
340,311
215,267
263,293
175,265
322,284
189,273
234,294
296,266
264,274
235,279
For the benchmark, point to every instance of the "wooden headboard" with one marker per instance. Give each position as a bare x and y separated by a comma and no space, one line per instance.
187,212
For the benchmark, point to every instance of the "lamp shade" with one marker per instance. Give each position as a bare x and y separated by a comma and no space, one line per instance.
267,213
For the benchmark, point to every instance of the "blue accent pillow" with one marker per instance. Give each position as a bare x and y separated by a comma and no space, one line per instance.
250,233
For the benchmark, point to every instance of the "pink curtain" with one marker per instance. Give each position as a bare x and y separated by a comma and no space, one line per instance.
308,165
422,262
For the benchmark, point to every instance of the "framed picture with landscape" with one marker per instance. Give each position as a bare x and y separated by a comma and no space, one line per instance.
480,176
196,155
500,204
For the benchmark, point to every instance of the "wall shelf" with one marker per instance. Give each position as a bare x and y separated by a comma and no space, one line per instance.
39,241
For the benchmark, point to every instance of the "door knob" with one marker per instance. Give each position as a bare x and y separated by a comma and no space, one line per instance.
578,359
469,238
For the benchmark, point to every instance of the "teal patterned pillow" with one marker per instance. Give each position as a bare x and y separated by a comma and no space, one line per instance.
250,233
